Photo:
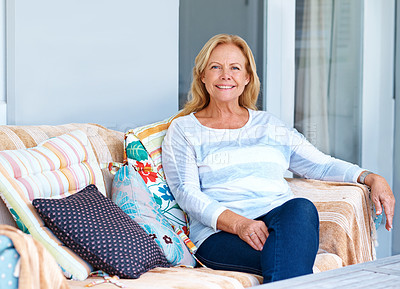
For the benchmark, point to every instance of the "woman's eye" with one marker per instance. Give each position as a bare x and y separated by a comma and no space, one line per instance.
235,68
214,67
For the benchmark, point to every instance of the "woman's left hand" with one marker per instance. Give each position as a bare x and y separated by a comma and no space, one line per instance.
382,196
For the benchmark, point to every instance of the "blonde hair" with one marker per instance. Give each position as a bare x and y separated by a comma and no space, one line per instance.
198,96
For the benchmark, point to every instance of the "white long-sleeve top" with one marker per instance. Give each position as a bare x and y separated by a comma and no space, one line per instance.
210,170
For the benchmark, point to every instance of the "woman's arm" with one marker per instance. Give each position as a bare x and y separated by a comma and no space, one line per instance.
307,161
381,196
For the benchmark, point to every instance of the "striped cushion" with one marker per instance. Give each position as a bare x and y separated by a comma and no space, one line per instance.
58,167
107,144
152,136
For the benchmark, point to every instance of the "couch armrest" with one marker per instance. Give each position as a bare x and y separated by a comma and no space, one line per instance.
345,211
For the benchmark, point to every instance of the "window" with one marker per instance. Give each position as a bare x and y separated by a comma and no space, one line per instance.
200,20
328,86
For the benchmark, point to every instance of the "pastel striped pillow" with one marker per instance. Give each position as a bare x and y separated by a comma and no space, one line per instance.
56,168
152,136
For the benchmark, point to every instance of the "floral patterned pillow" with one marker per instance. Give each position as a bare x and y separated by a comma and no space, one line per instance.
131,194
138,156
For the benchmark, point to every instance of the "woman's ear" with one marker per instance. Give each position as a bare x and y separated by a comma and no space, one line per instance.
247,79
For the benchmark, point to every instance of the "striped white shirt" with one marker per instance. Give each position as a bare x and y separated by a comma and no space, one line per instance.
210,170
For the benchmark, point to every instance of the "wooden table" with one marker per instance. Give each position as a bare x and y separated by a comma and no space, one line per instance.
382,273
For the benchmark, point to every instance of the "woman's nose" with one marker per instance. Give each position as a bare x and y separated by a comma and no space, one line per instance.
225,74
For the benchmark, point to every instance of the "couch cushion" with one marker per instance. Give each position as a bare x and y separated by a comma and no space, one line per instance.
327,261
58,167
143,151
107,144
131,194
9,258
152,136
183,278
101,233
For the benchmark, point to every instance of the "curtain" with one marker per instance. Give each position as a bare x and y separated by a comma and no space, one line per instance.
314,32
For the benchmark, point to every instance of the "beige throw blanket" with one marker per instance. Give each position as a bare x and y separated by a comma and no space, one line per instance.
38,269
345,212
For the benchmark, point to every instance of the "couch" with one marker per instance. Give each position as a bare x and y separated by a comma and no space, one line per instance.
347,230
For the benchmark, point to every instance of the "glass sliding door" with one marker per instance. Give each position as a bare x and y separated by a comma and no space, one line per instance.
200,20
328,74
3,74
396,173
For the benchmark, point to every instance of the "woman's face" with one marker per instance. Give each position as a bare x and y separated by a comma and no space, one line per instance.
225,75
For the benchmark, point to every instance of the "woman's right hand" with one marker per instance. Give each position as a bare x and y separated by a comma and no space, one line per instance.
253,232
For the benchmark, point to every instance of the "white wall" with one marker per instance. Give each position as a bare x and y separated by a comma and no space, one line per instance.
112,62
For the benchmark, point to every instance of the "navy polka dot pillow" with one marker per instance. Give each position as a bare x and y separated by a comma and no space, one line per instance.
101,233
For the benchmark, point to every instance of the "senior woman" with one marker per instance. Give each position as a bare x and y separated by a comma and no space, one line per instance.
225,162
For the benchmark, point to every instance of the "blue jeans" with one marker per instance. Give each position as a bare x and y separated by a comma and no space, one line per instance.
289,251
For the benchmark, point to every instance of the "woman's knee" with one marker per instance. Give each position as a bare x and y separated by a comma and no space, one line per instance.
303,210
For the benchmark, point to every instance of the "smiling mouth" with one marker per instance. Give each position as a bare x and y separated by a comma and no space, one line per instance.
225,86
